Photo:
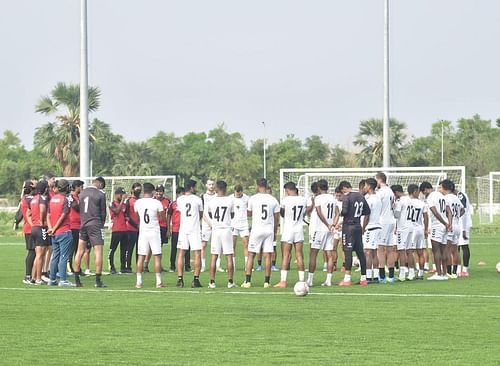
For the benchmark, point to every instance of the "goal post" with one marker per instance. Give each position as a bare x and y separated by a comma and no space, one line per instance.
488,197
395,175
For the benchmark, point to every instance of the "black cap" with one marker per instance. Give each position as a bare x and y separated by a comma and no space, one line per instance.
62,184
160,188
120,190
41,186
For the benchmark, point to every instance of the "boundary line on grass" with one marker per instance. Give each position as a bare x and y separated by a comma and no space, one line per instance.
265,293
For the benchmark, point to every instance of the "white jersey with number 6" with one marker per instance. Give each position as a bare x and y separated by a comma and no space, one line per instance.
263,207
148,209
190,206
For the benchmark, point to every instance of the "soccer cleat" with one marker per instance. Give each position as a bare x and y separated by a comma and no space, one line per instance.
112,271
27,280
231,285
87,272
222,270
138,285
392,280
432,271
463,274
309,284
382,280
267,285
100,285
258,269
434,277
161,285
402,279
52,283
40,282
411,277
180,283
196,283
452,276
212,285
281,284
326,284
345,283
246,285
171,270
274,269
45,279
65,284
363,283
444,278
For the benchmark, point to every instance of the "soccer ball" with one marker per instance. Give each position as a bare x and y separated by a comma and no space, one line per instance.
498,267
301,289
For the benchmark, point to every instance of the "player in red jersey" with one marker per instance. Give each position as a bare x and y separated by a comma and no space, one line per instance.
119,232
51,181
28,191
132,224
74,219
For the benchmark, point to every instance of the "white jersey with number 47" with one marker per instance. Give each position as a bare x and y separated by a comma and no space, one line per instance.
263,207
148,210
220,210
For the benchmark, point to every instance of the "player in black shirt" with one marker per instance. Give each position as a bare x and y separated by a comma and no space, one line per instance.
354,206
93,217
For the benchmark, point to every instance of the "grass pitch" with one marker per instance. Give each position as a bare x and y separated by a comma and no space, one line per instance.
453,322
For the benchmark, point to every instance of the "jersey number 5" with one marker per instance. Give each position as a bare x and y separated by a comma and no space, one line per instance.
265,213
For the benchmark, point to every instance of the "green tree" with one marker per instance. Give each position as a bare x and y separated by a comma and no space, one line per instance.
135,158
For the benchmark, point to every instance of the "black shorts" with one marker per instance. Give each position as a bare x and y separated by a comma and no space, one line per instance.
93,235
163,235
352,237
39,236
30,244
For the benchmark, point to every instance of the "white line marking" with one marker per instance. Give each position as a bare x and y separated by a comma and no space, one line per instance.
229,292
23,244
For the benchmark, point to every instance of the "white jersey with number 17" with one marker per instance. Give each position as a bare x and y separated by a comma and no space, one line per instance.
295,208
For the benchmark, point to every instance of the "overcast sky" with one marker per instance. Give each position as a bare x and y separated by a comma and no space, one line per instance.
303,66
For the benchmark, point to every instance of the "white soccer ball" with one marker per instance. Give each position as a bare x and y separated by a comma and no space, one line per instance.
498,267
301,289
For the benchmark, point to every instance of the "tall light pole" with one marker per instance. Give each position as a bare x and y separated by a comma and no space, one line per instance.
265,148
386,137
442,143
84,102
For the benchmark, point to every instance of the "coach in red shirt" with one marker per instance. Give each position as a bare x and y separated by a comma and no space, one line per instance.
60,230
132,223
119,231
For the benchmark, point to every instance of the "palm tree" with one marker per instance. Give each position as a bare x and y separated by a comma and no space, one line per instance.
134,158
61,139
370,139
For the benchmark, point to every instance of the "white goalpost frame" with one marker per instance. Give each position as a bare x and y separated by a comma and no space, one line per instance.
363,172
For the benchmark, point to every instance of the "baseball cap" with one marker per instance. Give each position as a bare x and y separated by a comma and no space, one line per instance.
120,190
160,188
62,184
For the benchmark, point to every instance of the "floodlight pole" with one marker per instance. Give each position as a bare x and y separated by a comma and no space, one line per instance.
386,137
442,143
84,102
265,148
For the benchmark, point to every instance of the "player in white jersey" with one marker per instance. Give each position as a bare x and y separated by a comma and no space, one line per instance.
439,228
420,220
465,226
311,212
191,208
293,208
149,210
220,211
457,210
239,223
206,231
386,249
327,210
403,211
264,210
371,231
337,235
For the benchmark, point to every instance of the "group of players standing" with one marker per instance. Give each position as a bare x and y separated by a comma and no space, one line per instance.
381,224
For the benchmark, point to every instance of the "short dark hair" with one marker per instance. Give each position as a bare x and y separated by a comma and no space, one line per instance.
361,183
344,184
102,181
412,188
148,187
291,186
338,190
447,184
135,185
179,190
41,187
381,176
323,184
221,185
77,183
314,187
262,182
371,182
397,188
62,185
27,187
425,185
238,188
48,175
190,184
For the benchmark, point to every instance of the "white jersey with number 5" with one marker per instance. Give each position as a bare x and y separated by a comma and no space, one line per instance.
295,208
436,199
220,209
148,209
263,207
190,206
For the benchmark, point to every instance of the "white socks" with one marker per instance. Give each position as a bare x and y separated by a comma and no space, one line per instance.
347,277
310,278
284,274
369,273
158,278
329,277
139,278
375,273
301,276
217,262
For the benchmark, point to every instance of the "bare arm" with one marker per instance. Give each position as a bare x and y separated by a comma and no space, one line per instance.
426,224
437,215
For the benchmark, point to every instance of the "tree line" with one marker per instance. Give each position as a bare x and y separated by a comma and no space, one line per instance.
220,153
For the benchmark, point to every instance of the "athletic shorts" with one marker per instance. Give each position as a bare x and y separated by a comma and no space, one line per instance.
352,238
149,240
39,236
386,235
30,244
322,240
454,236
418,241
93,234
292,237
461,240
404,239
163,235
439,234
189,241
261,240
206,232
222,242
371,237
242,232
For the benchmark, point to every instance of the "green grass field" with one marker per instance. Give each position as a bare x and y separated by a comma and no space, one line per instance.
453,322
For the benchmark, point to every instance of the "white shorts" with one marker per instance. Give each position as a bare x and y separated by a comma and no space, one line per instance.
206,232
454,236
222,242
439,234
149,240
404,239
189,241
386,235
292,237
322,240
371,238
261,240
242,232
418,241
461,240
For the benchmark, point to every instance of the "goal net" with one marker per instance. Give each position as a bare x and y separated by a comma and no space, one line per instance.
112,183
395,175
488,197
